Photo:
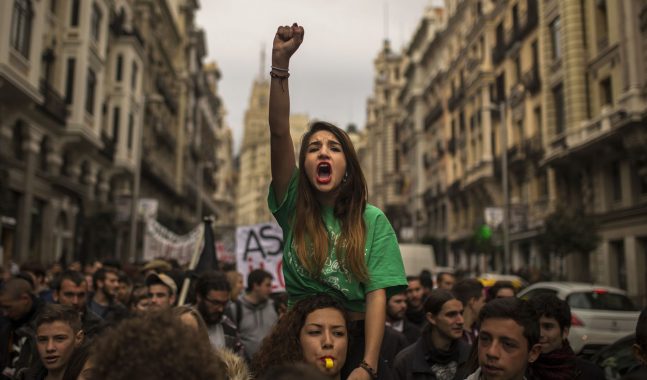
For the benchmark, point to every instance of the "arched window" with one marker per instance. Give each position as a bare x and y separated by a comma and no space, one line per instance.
21,26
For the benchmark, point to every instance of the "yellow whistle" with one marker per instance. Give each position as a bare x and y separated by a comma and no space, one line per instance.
329,363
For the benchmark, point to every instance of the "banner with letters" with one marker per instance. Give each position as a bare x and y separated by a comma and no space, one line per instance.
260,246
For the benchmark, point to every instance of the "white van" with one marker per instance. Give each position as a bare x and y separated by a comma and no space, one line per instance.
417,257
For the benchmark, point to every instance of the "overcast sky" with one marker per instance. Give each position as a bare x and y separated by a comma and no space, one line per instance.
331,74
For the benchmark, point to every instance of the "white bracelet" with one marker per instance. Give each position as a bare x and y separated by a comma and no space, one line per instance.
279,69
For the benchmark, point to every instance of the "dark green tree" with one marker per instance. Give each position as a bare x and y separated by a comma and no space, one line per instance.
569,231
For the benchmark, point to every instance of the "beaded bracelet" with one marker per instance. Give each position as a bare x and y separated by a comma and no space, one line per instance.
364,365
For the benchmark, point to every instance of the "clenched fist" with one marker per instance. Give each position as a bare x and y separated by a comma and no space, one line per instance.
286,41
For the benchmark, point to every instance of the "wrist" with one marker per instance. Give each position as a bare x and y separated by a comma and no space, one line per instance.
371,369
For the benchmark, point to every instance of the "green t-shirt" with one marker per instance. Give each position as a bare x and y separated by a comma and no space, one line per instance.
382,256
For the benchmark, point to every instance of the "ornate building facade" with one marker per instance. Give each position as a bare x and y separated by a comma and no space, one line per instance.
557,88
93,93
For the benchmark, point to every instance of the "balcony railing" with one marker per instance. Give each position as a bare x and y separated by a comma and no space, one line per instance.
169,98
53,103
531,80
108,149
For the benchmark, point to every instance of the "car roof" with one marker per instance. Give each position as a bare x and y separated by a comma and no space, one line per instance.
570,287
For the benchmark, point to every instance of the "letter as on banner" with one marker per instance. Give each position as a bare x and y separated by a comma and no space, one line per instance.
260,246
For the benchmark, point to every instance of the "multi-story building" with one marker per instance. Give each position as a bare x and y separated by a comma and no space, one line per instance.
558,89
595,78
382,164
254,173
86,89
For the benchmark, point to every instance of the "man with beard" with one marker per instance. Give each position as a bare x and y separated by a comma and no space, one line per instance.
396,308
71,288
415,298
212,297
439,354
557,360
103,303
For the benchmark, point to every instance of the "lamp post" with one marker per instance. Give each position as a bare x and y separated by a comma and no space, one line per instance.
504,184
501,109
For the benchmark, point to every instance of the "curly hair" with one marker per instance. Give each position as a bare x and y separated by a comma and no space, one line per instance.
154,346
282,345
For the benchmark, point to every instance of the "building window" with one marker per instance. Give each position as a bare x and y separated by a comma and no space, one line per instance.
52,6
555,36
74,13
619,263
517,68
119,68
560,115
95,26
616,182
601,23
17,140
131,126
69,81
606,92
90,88
116,115
642,179
21,26
133,76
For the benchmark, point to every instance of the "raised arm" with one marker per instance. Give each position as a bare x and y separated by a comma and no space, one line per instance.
286,42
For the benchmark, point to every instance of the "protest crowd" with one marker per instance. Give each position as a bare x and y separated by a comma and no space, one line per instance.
108,321
348,310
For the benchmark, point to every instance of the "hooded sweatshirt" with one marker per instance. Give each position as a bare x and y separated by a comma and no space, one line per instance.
256,321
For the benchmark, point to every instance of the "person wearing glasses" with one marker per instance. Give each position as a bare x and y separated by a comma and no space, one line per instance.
212,299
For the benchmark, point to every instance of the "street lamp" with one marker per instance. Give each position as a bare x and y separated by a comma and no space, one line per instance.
501,109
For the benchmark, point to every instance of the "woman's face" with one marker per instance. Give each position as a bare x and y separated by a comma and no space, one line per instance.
324,336
325,165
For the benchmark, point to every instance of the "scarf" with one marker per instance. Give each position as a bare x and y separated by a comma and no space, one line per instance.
556,365
443,364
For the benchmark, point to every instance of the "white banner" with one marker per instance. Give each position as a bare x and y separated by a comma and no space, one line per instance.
260,246
160,242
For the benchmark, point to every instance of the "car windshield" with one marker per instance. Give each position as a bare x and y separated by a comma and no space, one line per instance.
600,301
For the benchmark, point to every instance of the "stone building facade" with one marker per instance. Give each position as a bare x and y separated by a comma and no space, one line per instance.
254,174
88,91
560,88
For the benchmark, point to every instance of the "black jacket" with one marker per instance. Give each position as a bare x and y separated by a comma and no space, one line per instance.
23,333
392,343
411,332
411,363
586,370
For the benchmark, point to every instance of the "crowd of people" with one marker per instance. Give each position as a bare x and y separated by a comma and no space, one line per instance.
109,322
348,310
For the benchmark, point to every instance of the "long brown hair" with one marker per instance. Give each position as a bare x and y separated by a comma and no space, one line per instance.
310,234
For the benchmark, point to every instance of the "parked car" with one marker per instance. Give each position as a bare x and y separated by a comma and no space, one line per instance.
617,360
600,315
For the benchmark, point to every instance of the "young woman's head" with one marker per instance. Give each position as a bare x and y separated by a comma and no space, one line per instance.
330,175
314,331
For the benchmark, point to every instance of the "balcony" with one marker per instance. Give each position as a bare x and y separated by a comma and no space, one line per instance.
167,94
53,103
529,19
530,80
108,150
455,99
533,148
498,53
433,115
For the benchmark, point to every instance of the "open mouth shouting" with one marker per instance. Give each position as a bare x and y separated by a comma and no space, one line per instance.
324,173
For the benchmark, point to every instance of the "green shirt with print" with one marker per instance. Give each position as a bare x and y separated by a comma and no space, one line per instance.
382,256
